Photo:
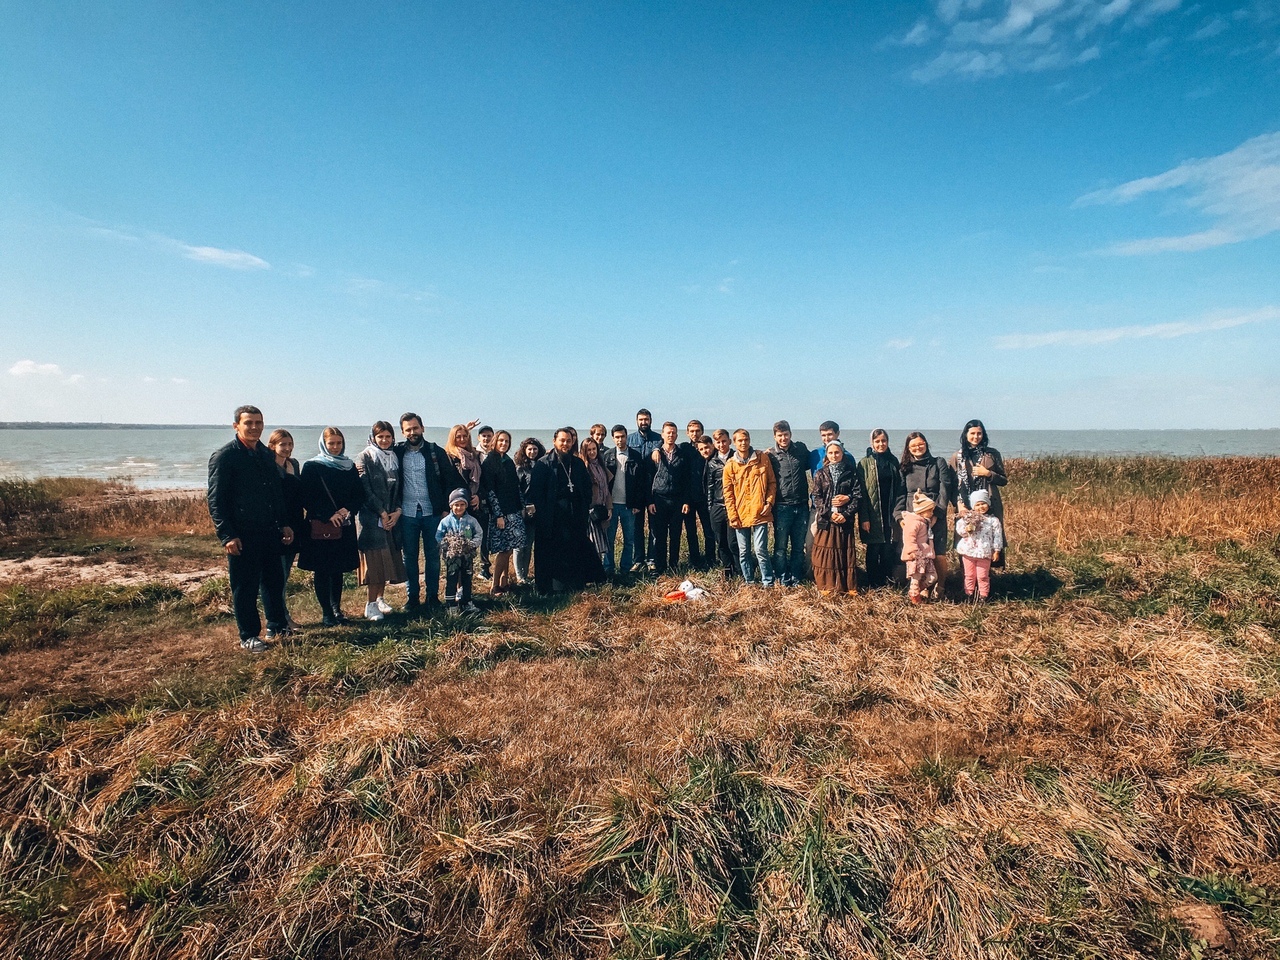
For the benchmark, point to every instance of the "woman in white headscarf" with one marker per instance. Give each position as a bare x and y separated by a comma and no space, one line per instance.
377,533
331,495
838,501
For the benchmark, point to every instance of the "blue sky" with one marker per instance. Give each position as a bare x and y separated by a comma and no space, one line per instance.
1044,213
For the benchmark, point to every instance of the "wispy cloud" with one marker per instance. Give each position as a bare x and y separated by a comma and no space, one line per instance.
232,259
920,34
216,256
1239,190
898,344
1211,28
1103,336
48,371
982,39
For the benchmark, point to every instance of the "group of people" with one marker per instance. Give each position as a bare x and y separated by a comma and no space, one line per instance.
404,511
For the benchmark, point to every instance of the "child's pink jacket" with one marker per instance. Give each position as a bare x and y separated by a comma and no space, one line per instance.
917,541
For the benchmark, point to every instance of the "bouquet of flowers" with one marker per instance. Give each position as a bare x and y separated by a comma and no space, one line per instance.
456,550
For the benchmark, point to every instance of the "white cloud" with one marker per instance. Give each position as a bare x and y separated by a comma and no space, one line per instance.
217,256
920,34
1108,335
232,259
726,285
898,344
29,368
988,39
1210,29
1239,190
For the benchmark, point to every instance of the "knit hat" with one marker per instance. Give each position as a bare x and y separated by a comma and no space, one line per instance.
458,495
921,503
980,496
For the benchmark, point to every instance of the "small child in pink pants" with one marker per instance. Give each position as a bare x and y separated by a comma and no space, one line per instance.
981,540
917,548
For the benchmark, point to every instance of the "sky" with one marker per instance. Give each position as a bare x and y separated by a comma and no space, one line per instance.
1048,214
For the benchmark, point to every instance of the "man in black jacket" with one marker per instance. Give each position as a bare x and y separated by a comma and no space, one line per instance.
668,499
704,557
716,452
630,496
426,477
246,503
646,440
790,460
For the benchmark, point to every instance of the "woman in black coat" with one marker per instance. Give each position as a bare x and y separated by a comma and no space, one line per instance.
882,481
979,466
281,444
332,494
526,460
500,493
931,475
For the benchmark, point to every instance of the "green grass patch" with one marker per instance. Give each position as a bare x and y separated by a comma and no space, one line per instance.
31,618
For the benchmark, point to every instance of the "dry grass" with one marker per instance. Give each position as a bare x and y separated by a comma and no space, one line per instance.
72,507
1054,775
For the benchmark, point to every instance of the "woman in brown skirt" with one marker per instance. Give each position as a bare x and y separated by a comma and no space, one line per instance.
377,535
838,499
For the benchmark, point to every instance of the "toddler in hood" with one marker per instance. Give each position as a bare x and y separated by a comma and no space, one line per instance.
917,547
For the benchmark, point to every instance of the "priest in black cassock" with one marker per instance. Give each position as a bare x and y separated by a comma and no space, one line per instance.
564,558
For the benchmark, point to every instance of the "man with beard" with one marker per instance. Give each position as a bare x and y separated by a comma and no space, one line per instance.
564,558
646,440
427,476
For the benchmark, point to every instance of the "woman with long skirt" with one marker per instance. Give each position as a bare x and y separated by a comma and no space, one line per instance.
377,522
838,500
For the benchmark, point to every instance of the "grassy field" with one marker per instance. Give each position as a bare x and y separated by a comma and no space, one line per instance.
1087,767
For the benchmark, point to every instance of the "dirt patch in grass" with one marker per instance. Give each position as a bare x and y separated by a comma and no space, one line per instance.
118,664
64,571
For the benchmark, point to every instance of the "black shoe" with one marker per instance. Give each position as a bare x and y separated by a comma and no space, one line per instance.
328,620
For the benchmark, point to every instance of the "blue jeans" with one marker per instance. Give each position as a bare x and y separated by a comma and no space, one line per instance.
755,540
413,530
790,524
623,516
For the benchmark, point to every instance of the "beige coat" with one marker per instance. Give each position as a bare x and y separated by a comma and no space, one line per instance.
749,491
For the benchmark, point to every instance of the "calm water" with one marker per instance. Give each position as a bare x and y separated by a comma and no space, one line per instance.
179,456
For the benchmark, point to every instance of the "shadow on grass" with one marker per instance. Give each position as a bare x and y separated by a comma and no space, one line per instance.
1036,584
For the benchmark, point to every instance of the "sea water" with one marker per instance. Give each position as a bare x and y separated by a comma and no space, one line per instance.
178,457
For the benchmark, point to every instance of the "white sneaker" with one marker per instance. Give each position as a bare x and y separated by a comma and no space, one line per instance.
470,608
384,606
371,611
455,612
